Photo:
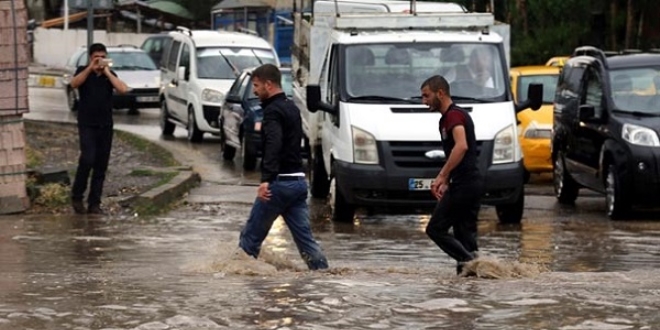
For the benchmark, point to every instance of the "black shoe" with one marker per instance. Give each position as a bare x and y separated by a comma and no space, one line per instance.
468,273
95,210
78,207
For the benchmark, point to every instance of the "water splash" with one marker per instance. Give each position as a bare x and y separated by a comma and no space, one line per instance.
494,268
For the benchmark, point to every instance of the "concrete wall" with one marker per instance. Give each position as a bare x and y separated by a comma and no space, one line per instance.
13,103
54,47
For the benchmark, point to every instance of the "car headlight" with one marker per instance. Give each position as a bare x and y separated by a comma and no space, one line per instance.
504,149
365,150
639,135
213,96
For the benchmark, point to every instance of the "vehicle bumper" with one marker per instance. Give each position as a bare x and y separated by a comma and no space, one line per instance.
644,171
210,124
537,156
137,99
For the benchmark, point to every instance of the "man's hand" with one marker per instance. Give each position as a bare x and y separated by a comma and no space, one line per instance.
441,191
439,181
263,193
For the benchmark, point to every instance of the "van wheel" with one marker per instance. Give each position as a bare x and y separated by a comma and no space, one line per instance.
512,213
341,210
618,205
320,185
194,134
71,99
166,126
249,156
566,189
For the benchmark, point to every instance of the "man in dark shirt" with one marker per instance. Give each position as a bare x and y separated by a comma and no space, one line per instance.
459,184
283,189
95,84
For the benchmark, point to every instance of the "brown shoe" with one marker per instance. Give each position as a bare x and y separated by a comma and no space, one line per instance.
78,207
95,209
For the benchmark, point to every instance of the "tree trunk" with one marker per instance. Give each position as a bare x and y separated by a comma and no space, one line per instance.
640,29
614,28
630,24
522,11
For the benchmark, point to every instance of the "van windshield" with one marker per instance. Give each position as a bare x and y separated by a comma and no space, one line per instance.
636,89
214,63
397,70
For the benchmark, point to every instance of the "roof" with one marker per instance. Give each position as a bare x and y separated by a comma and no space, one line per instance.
209,38
532,70
239,4
438,36
633,60
171,7
557,61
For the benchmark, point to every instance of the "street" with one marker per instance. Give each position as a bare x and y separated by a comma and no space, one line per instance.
562,268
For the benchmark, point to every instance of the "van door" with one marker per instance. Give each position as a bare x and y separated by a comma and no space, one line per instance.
588,139
183,84
330,124
172,98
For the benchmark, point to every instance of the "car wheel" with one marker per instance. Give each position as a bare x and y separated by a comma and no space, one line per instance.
194,134
526,176
566,189
320,185
166,126
341,210
512,213
249,156
71,99
618,205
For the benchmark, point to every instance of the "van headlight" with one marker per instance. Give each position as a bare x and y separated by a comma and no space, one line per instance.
640,136
212,96
504,149
365,150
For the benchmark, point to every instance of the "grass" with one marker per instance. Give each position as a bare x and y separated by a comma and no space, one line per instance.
165,177
34,158
53,195
164,157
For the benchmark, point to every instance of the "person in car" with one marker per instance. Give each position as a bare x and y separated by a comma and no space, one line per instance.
459,185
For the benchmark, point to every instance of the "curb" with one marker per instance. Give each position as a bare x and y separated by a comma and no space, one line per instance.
45,81
159,197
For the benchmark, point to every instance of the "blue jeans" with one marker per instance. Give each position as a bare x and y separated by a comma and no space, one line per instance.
289,199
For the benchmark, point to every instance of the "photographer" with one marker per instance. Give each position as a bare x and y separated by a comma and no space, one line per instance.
95,84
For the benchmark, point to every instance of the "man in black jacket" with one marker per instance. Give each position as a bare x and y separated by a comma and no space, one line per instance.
283,189
95,84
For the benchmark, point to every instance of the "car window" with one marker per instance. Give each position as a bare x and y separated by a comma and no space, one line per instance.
233,91
184,61
594,92
636,89
148,45
245,85
174,53
83,58
131,61
549,82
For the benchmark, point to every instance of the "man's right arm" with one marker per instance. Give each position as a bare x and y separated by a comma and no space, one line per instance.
80,76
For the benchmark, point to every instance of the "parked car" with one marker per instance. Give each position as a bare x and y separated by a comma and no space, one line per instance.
155,46
241,116
535,127
606,125
557,61
133,66
201,67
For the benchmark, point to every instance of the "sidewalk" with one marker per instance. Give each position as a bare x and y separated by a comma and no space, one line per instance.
44,76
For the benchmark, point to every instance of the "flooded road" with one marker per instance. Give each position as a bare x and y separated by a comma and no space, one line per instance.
181,271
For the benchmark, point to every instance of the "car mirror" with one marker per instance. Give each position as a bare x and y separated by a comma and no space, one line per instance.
534,98
586,112
314,102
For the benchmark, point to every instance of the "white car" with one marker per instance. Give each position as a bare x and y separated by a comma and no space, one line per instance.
198,69
133,66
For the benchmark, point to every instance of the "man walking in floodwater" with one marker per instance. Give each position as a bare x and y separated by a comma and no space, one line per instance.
459,184
283,188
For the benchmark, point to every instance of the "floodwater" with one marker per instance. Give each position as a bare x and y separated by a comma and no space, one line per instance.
559,269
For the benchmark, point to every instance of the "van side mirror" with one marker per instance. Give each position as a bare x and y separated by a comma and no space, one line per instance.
314,102
534,98
586,112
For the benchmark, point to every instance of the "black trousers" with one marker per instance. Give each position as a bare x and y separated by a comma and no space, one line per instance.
95,146
458,209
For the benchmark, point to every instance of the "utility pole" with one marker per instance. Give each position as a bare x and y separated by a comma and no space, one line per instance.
90,23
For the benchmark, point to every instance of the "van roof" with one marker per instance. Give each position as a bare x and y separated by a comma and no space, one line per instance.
210,38
387,6
438,36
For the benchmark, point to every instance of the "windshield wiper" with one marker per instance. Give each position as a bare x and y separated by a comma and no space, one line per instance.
637,113
231,65
257,56
468,98
380,98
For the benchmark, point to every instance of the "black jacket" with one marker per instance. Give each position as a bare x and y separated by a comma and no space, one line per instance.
281,133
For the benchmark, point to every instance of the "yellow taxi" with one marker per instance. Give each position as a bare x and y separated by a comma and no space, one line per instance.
557,61
535,127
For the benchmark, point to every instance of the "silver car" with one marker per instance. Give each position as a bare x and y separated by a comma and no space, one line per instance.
133,66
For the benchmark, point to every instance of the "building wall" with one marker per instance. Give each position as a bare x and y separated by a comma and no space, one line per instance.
13,103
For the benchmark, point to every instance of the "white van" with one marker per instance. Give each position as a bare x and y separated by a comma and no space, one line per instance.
371,138
393,6
198,69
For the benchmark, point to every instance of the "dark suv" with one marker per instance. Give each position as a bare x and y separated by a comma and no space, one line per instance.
606,126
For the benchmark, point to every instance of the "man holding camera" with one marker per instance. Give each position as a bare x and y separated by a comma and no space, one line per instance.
95,84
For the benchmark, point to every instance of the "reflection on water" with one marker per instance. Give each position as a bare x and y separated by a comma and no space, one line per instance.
184,271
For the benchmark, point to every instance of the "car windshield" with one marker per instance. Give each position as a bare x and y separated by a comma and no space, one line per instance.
549,82
127,61
636,89
397,70
214,63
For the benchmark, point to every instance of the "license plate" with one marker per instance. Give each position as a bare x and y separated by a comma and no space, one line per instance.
419,184
147,99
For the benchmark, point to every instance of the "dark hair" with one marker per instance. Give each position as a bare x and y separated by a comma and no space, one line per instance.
95,48
268,72
436,83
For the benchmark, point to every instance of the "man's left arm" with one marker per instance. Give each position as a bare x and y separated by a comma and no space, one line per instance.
117,84
457,154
